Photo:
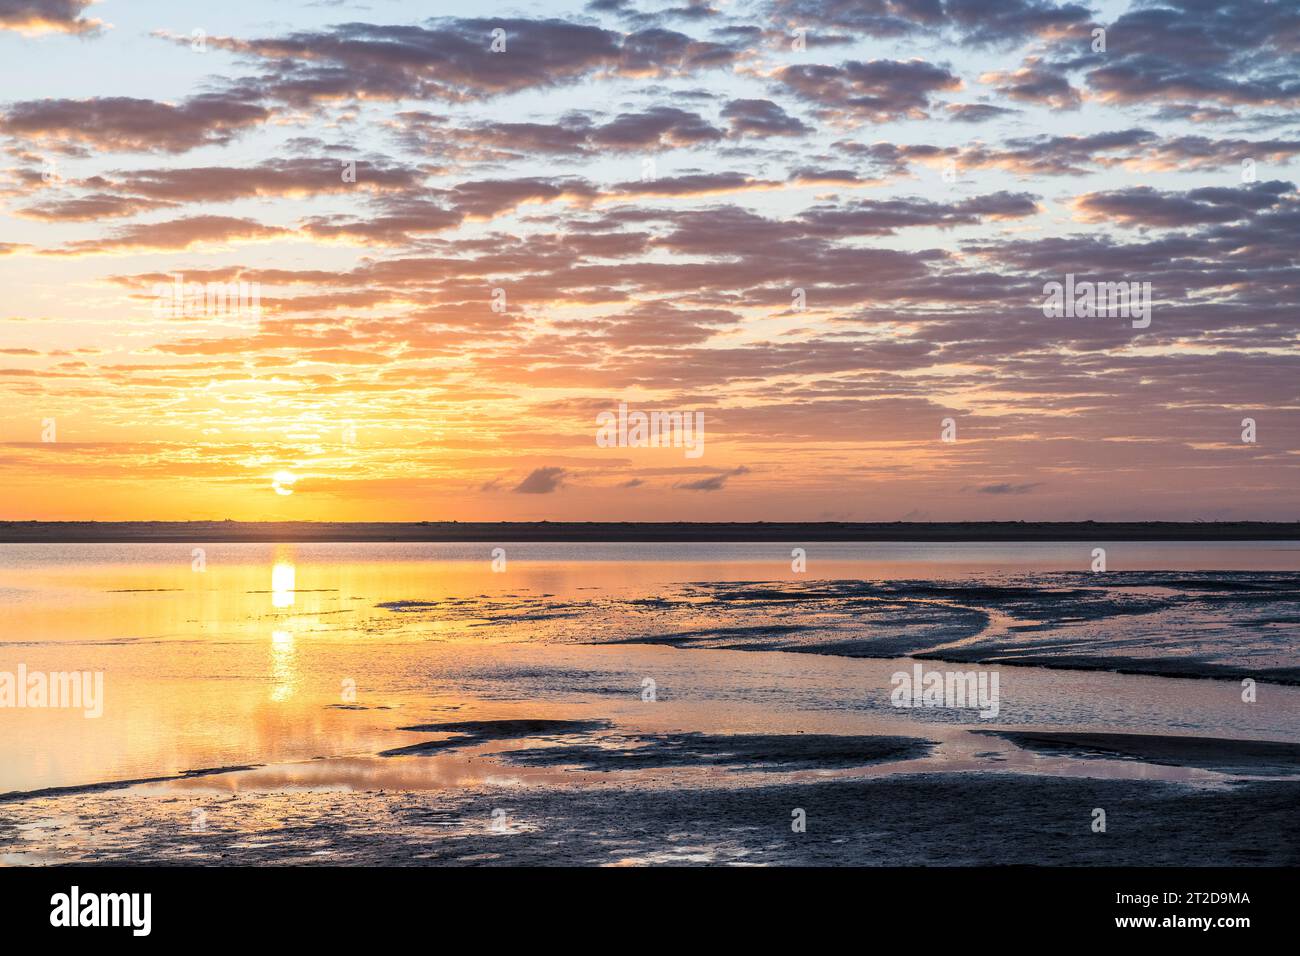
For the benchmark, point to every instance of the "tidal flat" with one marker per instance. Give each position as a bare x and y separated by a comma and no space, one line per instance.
616,704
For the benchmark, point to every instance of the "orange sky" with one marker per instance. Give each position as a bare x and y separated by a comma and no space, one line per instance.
463,257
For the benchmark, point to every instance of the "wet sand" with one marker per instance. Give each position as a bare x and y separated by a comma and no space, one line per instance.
1225,625
1233,756
920,819
399,704
523,791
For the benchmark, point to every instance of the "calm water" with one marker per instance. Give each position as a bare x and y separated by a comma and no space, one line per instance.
271,654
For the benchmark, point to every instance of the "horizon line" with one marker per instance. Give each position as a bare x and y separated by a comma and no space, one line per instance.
36,531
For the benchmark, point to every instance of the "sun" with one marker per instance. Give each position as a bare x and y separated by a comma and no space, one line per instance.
282,482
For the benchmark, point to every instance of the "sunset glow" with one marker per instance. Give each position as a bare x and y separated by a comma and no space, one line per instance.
412,270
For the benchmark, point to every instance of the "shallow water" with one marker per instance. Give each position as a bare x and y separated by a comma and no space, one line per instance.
249,654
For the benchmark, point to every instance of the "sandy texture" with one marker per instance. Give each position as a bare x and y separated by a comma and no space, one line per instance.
1213,753
769,752
931,819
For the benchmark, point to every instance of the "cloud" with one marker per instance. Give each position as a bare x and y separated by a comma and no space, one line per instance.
31,17
1007,488
574,134
658,323
174,234
693,184
662,127
971,22
762,118
877,91
395,223
1144,206
453,59
883,217
1003,23
1237,52
297,177
127,124
401,218
91,207
976,112
1055,155
542,481
713,482
675,288
1034,84
486,198
875,18
665,53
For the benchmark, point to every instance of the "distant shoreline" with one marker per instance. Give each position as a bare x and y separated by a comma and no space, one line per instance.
155,532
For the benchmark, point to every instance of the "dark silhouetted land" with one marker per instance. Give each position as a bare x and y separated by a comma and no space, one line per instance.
516,531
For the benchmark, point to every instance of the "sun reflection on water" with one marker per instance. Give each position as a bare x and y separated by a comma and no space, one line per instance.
284,665
282,584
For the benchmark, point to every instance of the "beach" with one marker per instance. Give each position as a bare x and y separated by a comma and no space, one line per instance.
575,703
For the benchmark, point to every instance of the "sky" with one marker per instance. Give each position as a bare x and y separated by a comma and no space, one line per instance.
825,229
